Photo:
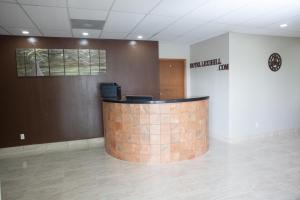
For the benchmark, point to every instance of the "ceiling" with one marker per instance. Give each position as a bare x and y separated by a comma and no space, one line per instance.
178,21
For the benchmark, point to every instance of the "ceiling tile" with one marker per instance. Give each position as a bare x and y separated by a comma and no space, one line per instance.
135,6
253,10
152,24
49,17
11,15
209,28
177,8
113,35
121,22
243,14
91,4
282,12
55,3
9,1
214,9
166,37
87,14
183,25
3,32
57,33
92,33
245,29
18,31
200,19
203,31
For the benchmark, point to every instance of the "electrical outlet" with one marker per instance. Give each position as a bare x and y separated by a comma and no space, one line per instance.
22,136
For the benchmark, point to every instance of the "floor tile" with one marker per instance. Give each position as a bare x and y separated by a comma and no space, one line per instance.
268,168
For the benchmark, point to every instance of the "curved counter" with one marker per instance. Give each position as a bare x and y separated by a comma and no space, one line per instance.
156,131
155,101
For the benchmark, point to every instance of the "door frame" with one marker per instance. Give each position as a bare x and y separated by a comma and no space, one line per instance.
184,71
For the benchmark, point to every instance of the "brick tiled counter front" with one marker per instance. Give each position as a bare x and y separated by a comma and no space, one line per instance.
156,133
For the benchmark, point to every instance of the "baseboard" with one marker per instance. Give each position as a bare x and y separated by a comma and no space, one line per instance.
255,136
37,149
263,135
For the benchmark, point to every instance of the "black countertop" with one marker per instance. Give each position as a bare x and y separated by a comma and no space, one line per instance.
154,101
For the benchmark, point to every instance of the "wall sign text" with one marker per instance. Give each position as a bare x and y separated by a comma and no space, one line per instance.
206,63
223,67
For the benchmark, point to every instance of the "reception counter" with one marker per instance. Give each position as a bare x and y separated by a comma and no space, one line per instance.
156,131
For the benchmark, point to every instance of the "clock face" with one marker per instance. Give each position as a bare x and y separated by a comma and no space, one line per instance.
274,62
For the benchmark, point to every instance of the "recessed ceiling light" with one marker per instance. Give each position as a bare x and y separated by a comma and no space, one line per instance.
283,25
85,33
139,37
25,32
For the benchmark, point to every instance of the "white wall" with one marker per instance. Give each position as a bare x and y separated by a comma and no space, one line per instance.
209,81
261,101
177,51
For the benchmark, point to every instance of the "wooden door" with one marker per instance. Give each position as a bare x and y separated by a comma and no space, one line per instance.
171,78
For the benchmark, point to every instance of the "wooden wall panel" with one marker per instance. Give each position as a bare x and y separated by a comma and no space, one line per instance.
52,109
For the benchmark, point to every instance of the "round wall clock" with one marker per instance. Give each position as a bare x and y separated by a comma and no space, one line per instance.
275,62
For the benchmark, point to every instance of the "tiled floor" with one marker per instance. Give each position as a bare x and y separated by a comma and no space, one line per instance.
267,169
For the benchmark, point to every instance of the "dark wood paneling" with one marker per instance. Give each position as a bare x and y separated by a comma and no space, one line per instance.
51,109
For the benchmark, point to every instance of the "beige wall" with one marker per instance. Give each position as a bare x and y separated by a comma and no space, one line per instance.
263,102
209,81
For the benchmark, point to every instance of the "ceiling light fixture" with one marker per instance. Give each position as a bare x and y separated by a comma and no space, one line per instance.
25,32
85,33
283,25
139,37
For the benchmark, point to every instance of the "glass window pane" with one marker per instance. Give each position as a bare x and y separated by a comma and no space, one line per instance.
56,62
30,62
42,64
102,60
84,62
95,61
20,56
71,62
